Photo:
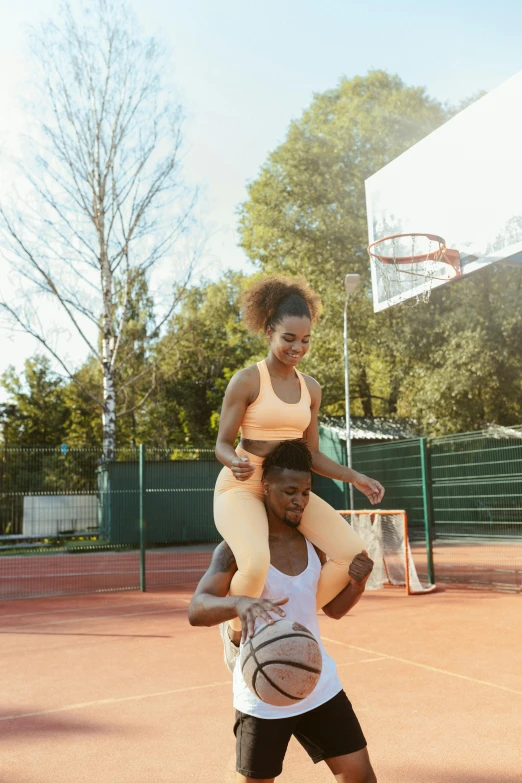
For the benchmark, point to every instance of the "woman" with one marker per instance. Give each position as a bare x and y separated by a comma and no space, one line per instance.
269,402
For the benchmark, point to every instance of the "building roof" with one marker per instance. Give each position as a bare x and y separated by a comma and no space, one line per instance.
363,428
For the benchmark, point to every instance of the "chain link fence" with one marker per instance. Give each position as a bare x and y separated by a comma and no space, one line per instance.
463,495
72,523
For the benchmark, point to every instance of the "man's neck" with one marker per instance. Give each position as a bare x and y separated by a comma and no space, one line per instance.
288,551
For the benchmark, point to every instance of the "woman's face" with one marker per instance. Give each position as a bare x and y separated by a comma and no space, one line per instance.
290,339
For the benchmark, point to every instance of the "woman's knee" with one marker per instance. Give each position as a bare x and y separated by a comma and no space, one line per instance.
324,526
346,550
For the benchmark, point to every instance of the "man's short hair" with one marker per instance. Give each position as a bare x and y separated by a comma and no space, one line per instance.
289,455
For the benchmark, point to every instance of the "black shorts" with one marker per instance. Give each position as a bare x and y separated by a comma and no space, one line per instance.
329,730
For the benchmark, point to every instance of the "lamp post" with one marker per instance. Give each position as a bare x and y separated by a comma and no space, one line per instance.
350,284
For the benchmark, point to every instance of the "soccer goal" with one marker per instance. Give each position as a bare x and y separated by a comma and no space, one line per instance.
385,534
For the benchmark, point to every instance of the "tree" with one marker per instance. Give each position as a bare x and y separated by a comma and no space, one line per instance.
132,377
104,201
40,416
205,345
467,372
305,214
84,427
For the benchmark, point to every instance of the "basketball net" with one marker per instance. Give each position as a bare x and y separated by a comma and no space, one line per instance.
385,534
409,262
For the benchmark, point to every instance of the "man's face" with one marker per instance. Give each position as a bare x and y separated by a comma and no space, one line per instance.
287,495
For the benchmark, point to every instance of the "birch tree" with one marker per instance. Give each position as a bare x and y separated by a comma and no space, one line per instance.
103,204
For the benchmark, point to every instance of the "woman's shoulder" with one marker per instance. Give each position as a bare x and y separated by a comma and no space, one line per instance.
245,381
250,373
314,387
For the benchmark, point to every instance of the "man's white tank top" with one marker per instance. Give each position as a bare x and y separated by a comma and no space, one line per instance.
302,593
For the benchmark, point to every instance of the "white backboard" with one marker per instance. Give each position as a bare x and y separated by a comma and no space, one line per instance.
463,182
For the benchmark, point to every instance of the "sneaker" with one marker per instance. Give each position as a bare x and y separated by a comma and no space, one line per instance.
230,651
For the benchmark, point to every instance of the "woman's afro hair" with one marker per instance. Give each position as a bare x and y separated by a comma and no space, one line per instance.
273,298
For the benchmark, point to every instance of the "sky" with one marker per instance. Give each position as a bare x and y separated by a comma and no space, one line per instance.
244,70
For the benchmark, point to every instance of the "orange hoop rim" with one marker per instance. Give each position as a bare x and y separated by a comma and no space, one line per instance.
441,254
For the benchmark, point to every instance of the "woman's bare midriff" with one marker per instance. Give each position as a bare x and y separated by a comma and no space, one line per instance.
260,448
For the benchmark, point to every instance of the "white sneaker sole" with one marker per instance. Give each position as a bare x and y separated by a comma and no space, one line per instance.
230,651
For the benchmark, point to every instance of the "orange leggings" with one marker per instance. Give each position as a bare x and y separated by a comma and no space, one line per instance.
240,516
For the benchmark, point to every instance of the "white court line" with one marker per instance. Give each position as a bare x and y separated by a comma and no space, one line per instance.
102,702
67,574
365,660
78,608
9,628
425,666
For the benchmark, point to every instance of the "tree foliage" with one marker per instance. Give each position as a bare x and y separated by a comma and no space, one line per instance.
445,363
453,365
205,345
41,413
466,370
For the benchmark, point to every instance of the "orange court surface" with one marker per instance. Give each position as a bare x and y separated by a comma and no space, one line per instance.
118,688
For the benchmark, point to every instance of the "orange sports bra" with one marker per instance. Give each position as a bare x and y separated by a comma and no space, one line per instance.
269,418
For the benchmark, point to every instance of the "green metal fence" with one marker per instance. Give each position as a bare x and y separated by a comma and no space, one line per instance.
334,492
398,466
51,506
70,522
177,503
46,473
476,497
464,494
477,485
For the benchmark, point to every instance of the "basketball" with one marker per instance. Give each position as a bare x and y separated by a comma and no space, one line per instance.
281,663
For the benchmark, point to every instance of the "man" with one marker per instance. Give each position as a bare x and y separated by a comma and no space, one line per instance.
324,722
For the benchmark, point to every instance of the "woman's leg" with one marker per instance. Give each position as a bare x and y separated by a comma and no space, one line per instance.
240,517
325,527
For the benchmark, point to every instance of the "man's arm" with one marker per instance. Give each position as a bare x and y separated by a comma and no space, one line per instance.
360,570
211,604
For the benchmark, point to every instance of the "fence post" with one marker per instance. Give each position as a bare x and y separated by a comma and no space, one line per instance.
142,518
427,507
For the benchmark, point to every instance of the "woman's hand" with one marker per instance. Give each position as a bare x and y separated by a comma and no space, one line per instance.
242,468
369,487
249,609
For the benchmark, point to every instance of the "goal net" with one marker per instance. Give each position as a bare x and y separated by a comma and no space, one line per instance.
385,534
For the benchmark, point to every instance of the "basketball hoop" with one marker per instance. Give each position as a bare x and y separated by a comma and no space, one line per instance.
420,255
